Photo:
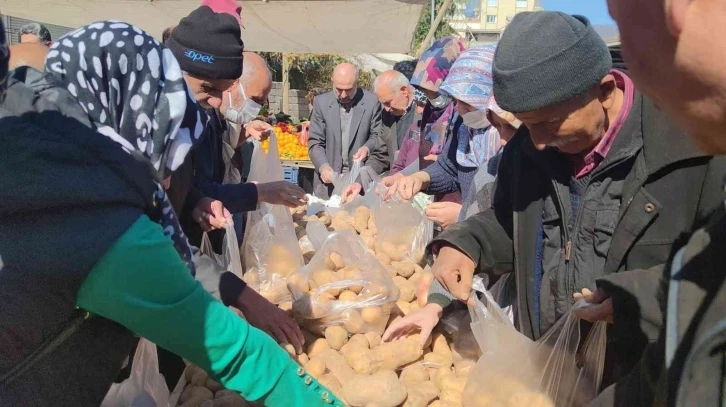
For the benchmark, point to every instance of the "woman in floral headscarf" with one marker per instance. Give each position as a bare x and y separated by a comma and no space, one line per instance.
431,70
473,140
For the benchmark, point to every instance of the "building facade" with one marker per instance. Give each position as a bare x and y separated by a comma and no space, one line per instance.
485,20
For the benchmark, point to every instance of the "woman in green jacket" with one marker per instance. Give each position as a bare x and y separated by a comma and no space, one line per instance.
92,253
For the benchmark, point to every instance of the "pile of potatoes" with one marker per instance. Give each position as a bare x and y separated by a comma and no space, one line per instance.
363,372
201,391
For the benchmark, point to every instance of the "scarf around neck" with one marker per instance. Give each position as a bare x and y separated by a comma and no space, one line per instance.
133,91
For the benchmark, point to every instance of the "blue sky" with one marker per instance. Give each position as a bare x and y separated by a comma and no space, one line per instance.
595,10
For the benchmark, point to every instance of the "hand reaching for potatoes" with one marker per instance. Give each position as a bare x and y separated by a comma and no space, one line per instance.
351,192
266,316
423,320
455,271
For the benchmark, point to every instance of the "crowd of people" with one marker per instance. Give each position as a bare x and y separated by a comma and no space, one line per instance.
550,169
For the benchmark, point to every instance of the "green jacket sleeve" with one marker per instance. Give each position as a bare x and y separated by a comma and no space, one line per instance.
142,284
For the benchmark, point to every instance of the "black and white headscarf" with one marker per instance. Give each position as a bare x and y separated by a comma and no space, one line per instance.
4,58
132,88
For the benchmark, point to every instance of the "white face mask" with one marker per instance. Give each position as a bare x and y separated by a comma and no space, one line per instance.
249,111
440,102
476,119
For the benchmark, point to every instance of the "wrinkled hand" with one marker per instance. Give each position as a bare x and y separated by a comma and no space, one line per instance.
281,193
412,185
391,182
602,310
351,192
258,130
361,154
267,317
443,213
326,174
455,271
211,214
424,320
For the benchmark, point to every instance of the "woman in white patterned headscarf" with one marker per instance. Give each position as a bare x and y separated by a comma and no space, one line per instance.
92,255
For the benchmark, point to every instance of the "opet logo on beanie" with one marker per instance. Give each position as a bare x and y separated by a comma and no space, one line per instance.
196,56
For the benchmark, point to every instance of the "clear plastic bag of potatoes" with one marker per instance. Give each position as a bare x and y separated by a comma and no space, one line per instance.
563,368
270,249
343,285
403,229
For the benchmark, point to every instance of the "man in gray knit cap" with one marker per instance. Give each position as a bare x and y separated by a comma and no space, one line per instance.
591,192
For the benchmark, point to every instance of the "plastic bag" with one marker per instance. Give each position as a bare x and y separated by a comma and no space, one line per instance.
516,371
271,250
403,228
230,260
343,285
145,387
343,180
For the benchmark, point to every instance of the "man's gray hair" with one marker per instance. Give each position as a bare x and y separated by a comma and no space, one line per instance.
394,80
39,30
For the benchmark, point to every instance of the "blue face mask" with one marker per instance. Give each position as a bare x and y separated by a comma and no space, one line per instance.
440,102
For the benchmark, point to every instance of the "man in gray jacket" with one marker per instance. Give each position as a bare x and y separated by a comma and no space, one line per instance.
345,128
592,191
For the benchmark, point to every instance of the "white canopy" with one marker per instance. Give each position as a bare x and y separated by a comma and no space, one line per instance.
296,26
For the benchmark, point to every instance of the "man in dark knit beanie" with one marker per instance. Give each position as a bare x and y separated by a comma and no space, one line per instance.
591,191
209,48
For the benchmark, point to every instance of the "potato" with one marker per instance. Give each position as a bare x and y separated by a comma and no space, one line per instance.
290,350
337,261
373,315
440,375
360,218
413,375
352,274
280,261
383,258
372,225
438,359
298,283
358,340
402,308
374,339
323,277
316,366
307,308
336,336
252,279
302,359
332,384
285,305
370,242
382,388
317,347
348,296
353,321
421,394
392,271
408,291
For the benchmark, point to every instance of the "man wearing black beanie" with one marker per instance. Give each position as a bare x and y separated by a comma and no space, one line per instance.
209,49
591,192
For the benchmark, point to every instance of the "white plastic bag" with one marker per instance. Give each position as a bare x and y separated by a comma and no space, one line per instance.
516,371
145,387
403,228
343,266
343,180
230,260
271,250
